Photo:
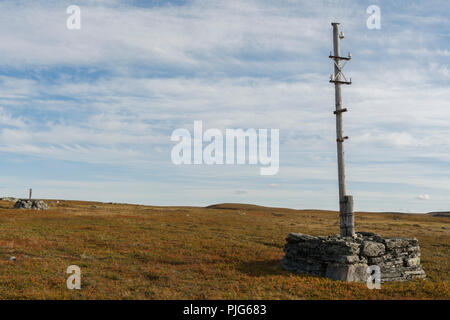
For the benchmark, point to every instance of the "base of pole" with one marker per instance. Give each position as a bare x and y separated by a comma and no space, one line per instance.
347,217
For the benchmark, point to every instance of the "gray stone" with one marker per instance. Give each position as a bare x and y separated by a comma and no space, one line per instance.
367,234
30,204
396,243
415,273
377,260
297,237
347,272
358,273
413,262
373,249
347,258
11,199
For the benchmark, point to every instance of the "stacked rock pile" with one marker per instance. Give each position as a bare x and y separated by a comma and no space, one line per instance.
348,258
30,204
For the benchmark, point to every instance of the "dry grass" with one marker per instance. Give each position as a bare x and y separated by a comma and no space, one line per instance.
220,252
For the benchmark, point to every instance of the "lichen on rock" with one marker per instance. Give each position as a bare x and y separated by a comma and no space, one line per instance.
30,204
347,258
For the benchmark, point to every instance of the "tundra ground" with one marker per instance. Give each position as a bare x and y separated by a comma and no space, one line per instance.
225,251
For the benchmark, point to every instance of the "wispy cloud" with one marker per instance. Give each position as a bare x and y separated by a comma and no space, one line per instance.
111,94
423,197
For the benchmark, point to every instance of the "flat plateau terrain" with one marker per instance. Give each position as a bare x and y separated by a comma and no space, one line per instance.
224,251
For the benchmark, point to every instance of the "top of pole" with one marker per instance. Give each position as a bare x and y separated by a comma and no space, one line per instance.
335,23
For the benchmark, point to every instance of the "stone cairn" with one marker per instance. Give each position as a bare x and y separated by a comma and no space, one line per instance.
30,204
11,199
348,258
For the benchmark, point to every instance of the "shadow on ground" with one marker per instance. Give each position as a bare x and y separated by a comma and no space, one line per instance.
262,268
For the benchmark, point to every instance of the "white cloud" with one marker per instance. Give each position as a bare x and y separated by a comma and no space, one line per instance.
135,74
8,120
395,139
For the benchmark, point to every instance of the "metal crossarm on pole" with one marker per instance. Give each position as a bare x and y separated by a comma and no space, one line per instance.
341,82
347,225
340,58
339,111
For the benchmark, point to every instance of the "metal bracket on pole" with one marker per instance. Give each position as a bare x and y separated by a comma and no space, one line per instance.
341,139
340,111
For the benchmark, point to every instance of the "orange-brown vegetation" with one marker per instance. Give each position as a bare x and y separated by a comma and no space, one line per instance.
224,251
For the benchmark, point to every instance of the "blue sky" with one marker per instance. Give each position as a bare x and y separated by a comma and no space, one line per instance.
87,114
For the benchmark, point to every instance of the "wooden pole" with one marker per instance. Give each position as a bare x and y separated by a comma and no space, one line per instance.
31,191
338,99
345,201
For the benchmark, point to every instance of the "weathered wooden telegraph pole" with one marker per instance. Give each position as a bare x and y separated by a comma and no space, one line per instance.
305,253
345,201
